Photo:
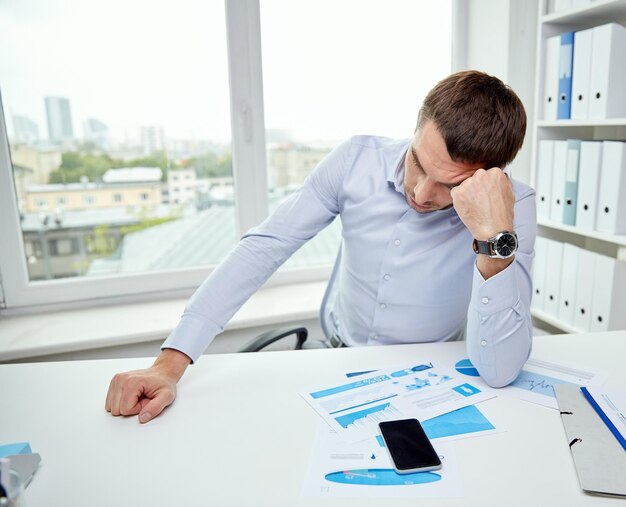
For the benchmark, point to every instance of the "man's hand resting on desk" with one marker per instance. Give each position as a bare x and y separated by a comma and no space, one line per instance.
147,392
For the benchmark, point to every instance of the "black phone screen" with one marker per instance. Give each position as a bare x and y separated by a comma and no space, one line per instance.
408,445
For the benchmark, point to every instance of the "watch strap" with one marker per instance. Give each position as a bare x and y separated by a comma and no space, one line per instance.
483,247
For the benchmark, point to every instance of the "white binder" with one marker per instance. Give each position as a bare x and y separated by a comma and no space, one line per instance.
553,278
544,179
608,311
588,182
569,271
559,166
539,272
584,289
581,73
611,211
551,78
608,72
562,5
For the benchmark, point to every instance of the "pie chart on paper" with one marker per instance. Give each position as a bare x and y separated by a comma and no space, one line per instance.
465,367
381,477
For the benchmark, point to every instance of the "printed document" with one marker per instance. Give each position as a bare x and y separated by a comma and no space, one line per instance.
364,470
536,380
423,391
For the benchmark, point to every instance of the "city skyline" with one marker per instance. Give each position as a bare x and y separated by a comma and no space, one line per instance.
127,73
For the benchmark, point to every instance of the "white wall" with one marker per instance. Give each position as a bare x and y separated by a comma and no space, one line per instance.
499,37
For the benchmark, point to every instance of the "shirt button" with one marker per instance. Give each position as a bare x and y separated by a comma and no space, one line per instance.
484,343
375,337
397,242
387,277
383,305
485,300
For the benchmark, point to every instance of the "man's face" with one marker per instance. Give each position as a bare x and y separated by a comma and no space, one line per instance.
430,173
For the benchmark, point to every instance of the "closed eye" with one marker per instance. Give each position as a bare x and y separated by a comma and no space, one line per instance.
449,186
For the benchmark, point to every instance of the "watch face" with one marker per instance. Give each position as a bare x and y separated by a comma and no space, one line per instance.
506,245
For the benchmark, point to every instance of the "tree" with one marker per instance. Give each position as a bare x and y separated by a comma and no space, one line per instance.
212,165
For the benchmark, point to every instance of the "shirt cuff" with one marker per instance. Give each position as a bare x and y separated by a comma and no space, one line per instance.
500,292
192,336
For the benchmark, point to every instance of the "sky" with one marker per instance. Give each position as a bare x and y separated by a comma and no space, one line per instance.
331,68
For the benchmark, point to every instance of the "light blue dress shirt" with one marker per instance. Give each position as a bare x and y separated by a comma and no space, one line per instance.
405,277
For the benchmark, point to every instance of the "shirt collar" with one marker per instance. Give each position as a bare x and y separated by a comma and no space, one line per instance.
395,170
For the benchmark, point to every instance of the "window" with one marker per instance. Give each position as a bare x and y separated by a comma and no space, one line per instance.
32,249
122,128
63,247
141,125
336,86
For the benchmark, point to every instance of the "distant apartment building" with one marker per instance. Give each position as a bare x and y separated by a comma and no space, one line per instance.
152,139
86,196
25,130
97,133
40,160
290,164
181,186
61,244
59,116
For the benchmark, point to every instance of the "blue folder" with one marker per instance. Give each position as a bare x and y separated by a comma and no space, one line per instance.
570,191
604,417
566,61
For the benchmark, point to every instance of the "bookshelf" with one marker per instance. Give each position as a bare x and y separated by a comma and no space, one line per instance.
551,24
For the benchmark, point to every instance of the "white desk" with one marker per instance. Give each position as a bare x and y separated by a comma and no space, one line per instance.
204,451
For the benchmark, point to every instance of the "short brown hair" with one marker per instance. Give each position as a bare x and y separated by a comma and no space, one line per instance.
480,118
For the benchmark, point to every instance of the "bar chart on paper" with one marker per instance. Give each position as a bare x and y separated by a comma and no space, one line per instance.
369,416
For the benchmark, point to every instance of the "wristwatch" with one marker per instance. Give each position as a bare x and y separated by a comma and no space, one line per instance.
502,246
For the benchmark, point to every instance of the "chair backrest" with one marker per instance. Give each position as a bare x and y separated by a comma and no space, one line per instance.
329,296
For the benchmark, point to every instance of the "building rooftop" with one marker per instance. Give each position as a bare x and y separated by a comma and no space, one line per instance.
32,222
203,239
132,175
77,187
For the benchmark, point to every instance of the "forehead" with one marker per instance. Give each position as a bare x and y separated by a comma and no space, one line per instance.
432,154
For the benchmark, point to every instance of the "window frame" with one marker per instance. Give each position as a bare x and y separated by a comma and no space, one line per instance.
243,33
19,294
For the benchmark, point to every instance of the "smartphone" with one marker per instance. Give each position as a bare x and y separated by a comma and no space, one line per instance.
409,447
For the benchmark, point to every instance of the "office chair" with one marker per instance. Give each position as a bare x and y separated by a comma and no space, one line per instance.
301,332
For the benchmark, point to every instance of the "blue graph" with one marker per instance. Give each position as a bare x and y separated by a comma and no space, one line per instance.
466,367
459,422
362,415
537,383
527,380
417,384
381,477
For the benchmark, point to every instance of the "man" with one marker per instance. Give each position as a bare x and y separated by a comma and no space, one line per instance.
430,251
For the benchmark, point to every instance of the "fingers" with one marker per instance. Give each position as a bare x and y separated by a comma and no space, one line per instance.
155,406
125,392
139,392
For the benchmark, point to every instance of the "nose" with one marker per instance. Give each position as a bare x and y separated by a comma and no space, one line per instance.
427,192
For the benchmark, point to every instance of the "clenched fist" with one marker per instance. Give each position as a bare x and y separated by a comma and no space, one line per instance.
485,202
